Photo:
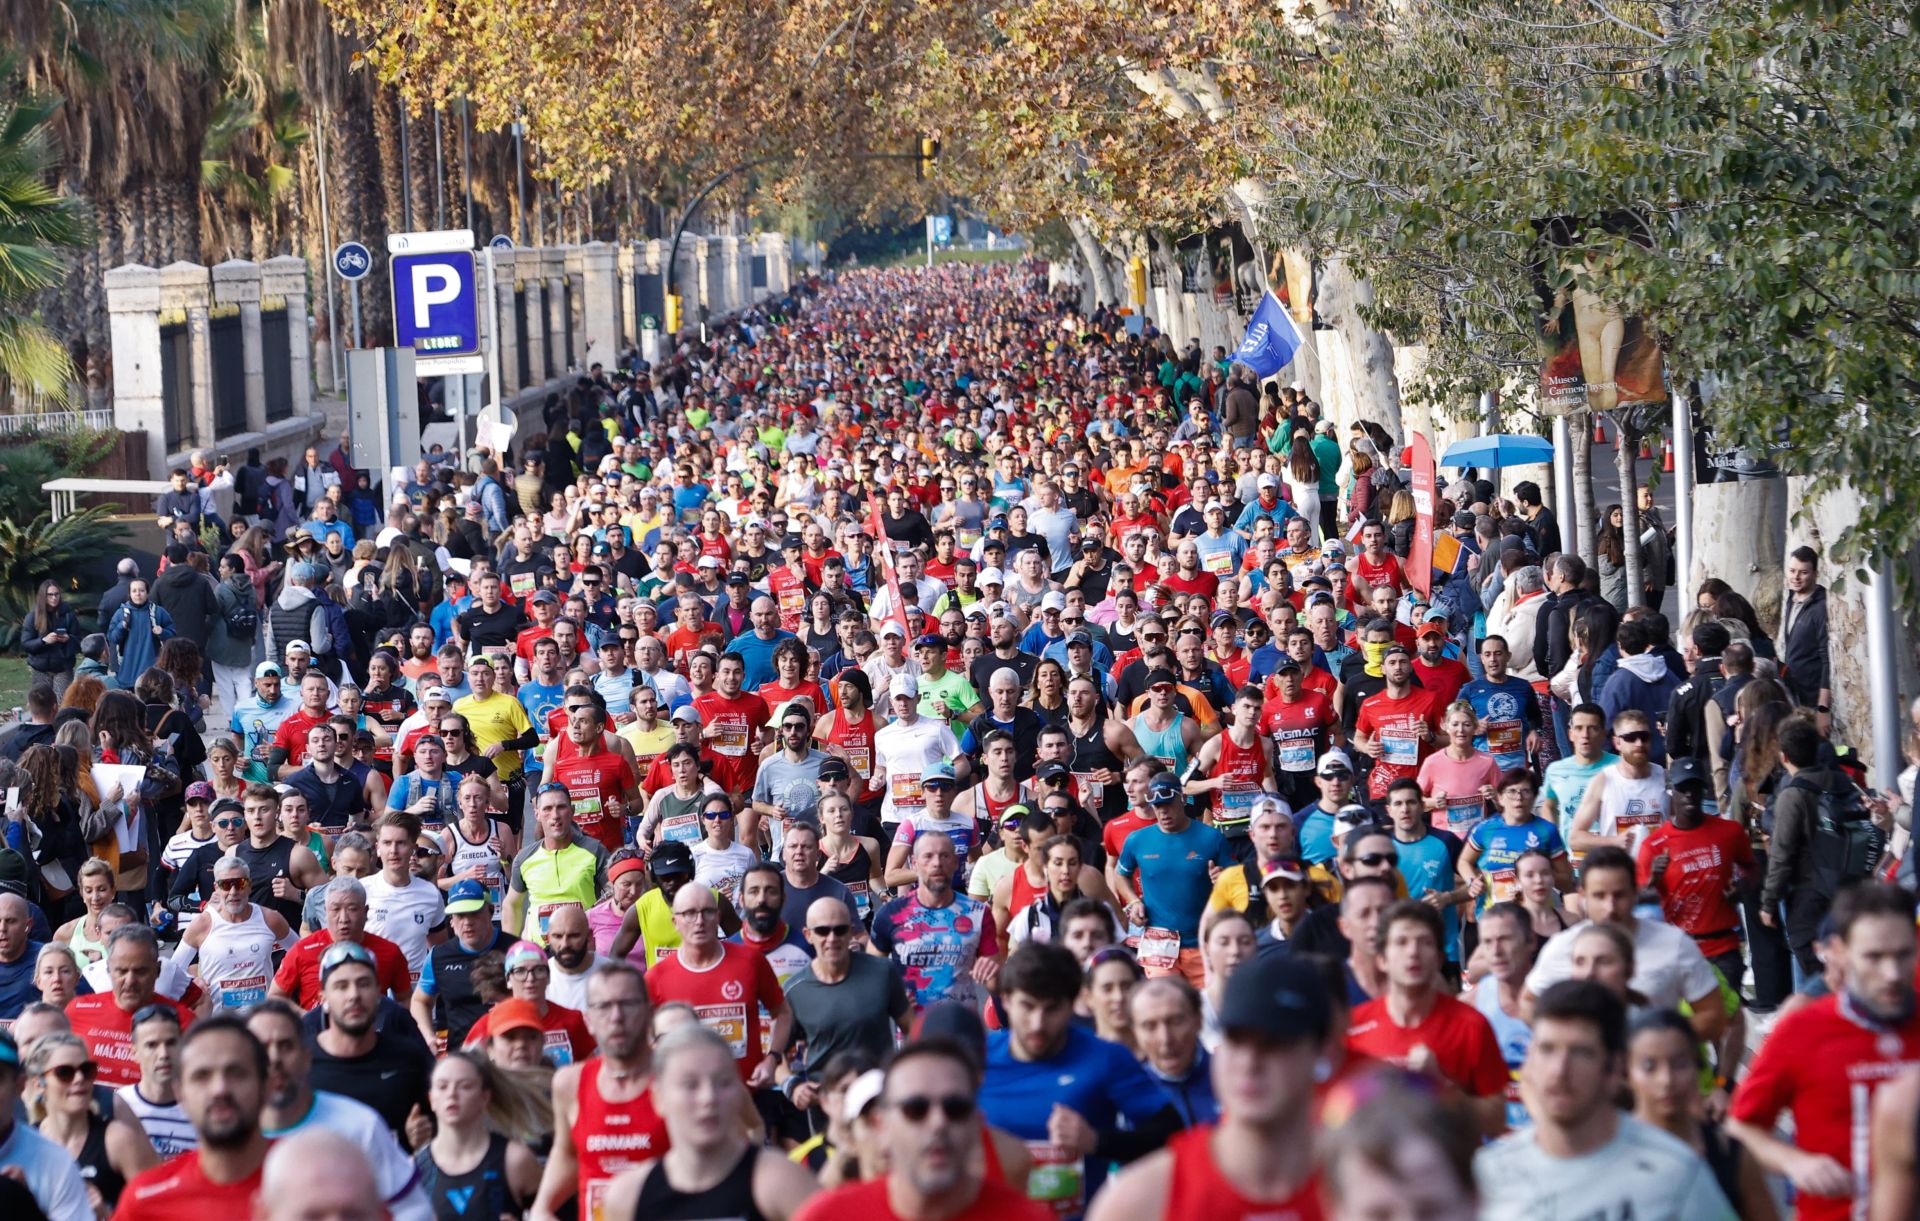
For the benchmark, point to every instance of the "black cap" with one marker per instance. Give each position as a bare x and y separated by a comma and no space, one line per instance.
671,857
226,805
1051,770
791,540
1277,998
1160,675
1685,770
833,767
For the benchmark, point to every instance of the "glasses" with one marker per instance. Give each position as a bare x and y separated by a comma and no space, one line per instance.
698,913
422,851
528,972
1066,622
823,931
229,823
232,884
452,731
1373,860
1637,736
955,1108
1160,639
716,814
86,1070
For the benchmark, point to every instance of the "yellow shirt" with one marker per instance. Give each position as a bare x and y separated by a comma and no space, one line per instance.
496,719
648,744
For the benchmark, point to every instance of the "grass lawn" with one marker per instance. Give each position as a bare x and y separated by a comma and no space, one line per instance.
13,684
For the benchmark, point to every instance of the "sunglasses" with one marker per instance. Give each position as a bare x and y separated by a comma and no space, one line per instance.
232,884
956,1108
229,822
1373,860
1638,735
831,930
86,1070
421,851
716,814
452,731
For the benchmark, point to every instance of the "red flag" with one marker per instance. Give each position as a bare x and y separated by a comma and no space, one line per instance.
883,550
1420,555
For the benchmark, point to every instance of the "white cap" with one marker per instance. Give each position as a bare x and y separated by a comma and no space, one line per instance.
863,1093
904,684
433,693
1268,481
991,576
1214,504
892,628
709,561
1054,601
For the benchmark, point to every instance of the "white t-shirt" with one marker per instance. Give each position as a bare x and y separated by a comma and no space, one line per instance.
172,982
1667,966
570,991
904,752
49,1172
404,915
397,1174
720,868
1642,1173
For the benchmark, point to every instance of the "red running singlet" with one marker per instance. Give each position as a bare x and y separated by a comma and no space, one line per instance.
1199,1192
609,1137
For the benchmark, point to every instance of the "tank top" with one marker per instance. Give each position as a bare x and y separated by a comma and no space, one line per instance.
1020,892
486,854
95,1166
1166,744
479,1193
1199,1192
236,960
856,739
678,818
609,1137
263,866
855,872
1090,754
88,950
1245,768
1630,807
731,1199
984,806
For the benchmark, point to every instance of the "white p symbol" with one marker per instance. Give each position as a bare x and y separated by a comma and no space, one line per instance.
433,284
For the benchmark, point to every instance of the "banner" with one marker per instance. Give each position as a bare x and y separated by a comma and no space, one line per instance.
1592,358
883,554
1420,555
1271,338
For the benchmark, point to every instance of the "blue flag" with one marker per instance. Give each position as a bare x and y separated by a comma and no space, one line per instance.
1271,338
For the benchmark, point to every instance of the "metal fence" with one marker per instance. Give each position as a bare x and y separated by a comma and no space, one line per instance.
55,419
276,361
229,373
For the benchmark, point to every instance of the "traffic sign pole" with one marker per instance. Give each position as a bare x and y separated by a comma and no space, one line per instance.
494,410
353,294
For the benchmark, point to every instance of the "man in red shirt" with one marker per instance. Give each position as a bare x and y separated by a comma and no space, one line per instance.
1397,726
1300,722
105,1019
733,722
298,978
1373,566
544,606
1188,577
1692,861
222,1079
289,751
596,777
1824,1060
1438,673
789,584
1418,1026
728,985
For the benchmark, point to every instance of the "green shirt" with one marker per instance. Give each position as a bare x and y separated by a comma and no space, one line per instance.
946,697
1326,451
699,417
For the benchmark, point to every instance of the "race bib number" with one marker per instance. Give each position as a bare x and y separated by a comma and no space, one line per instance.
241,992
1236,801
1503,886
681,828
1296,756
1058,1180
1092,792
1219,563
860,759
905,790
1400,750
521,583
559,1048
1506,743
729,1021
586,810
542,914
1461,817
1159,949
862,900
732,738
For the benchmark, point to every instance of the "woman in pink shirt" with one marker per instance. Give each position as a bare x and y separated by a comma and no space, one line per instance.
1458,780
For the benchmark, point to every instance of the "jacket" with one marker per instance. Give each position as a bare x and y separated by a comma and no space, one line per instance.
187,595
295,615
1803,648
1687,734
51,656
1553,644
1796,804
132,633
222,646
1514,617
1642,682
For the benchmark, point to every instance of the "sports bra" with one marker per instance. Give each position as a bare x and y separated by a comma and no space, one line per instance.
731,1199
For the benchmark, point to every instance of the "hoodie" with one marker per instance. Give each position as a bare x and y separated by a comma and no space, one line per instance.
188,595
1643,681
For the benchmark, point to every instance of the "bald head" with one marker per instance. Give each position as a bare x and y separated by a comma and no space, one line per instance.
566,920
827,911
318,1175
16,923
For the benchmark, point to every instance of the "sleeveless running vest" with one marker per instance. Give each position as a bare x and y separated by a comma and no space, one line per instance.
480,1193
1091,754
609,1137
96,1167
731,1199
1631,807
1166,744
236,960
263,866
855,872
1245,769
486,854
985,807
1199,1192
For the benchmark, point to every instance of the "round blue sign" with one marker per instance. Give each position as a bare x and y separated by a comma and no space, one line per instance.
352,260
501,242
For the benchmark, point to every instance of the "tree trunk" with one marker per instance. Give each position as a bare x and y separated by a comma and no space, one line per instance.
1581,530
1740,536
1098,283
1376,391
1626,458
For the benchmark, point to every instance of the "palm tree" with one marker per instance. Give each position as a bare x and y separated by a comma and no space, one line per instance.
41,230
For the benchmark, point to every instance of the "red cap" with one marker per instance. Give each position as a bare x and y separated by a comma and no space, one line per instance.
513,1014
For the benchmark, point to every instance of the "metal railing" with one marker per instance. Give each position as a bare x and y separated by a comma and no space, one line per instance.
56,420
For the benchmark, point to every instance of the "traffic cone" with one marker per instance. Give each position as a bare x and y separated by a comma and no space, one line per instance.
1599,431
1666,463
1646,448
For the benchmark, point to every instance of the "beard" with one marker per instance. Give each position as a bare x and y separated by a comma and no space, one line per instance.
762,920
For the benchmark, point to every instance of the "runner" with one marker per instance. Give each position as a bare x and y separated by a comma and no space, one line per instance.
235,940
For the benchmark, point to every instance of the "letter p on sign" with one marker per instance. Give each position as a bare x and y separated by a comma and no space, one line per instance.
433,284
435,303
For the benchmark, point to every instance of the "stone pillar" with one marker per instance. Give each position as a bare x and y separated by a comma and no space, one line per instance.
719,283
597,333
739,283
285,278
696,291
505,270
778,253
626,316
186,287
528,266
133,321
236,282
554,269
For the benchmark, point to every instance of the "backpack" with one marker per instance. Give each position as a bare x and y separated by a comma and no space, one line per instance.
1844,845
241,617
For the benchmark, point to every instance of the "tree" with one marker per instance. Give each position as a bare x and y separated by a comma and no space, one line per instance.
40,232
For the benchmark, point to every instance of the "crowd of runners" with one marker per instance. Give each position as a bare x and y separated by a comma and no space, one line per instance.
926,752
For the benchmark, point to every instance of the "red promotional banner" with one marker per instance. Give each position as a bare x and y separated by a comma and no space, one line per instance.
883,554
1420,556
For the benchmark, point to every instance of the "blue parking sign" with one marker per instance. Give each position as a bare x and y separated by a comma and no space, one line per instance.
435,303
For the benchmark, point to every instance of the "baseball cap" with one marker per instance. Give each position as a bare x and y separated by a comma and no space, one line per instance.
1286,662
1432,627
903,684
863,1093
1079,638
1396,648
1160,676
543,595
1685,770
671,857
1053,769
1011,816
892,628
1267,481
993,576
1054,601
834,768
513,1014
1214,504
268,667
226,805
709,561
685,712
939,773
1276,998
976,610
433,693
1162,790
1335,760
466,896
297,646
930,640
200,790
1285,868
1220,617
524,953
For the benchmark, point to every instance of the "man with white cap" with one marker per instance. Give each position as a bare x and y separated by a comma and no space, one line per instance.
257,718
891,660
1220,549
906,749
1267,504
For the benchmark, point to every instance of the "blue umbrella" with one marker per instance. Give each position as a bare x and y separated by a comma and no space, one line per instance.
1499,449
